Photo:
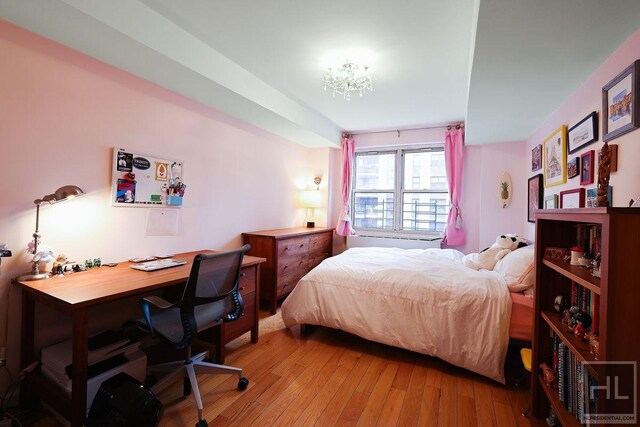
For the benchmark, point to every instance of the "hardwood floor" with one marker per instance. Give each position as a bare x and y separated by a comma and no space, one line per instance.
328,378
332,378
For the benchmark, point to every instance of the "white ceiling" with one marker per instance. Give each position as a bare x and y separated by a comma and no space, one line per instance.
503,66
415,43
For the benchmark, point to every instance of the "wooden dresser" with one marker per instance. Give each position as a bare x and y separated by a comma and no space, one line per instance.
290,254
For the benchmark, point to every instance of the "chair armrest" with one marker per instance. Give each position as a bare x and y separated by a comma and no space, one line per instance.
145,306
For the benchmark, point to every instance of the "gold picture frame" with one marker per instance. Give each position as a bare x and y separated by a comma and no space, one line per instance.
554,156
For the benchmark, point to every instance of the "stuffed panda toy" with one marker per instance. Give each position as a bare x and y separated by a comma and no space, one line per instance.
488,258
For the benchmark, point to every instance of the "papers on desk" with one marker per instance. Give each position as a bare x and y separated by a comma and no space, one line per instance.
158,264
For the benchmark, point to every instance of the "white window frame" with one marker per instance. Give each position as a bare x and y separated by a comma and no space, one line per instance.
398,191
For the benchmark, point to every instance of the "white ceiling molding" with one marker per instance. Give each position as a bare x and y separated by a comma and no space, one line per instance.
133,37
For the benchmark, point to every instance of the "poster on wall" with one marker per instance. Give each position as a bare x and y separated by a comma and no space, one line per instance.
620,103
536,198
555,157
141,180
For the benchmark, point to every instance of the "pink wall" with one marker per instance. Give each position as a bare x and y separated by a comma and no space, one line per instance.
483,216
62,111
588,98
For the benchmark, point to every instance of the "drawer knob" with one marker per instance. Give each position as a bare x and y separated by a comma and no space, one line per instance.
286,248
241,288
242,274
301,245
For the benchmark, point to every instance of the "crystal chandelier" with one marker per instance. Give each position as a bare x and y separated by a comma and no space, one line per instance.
349,77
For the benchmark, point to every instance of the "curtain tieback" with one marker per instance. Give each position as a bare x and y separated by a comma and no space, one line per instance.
346,212
458,217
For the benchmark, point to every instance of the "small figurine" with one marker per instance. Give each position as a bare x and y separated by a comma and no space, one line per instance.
60,261
582,318
573,311
579,331
560,303
97,262
88,264
594,345
549,376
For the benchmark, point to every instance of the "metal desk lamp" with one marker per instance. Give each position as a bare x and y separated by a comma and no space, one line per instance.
63,193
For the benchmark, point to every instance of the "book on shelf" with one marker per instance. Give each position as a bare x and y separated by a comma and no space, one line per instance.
587,301
574,382
589,237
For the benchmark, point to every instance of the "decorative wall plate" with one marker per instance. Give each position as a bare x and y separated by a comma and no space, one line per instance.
504,190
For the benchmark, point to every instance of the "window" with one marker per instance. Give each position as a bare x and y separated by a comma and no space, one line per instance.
401,191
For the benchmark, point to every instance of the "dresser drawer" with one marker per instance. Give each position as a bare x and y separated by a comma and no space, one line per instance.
287,283
293,265
290,247
315,260
320,243
247,281
245,322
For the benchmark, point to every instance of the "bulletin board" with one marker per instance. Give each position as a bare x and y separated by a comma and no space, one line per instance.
140,180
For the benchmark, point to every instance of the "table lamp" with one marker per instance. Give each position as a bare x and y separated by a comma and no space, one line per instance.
310,199
63,193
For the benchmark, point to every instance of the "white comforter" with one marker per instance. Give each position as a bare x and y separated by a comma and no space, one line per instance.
421,300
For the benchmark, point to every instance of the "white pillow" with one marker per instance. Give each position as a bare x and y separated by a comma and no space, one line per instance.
517,268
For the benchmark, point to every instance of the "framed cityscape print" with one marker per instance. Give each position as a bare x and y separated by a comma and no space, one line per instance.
536,158
585,132
573,167
554,156
620,99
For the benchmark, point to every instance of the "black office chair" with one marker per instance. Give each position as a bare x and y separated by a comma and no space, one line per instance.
210,297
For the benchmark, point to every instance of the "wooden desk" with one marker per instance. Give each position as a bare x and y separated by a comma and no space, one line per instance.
72,295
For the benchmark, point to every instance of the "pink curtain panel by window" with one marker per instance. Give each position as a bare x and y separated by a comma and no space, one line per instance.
344,223
453,155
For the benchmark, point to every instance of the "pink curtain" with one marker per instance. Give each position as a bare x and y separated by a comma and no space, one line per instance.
344,223
453,158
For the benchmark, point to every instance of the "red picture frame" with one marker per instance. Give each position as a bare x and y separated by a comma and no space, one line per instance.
587,167
571,199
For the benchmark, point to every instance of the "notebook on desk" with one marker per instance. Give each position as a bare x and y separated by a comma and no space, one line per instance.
158,264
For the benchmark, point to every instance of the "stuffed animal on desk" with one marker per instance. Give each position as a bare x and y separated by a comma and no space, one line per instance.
488,258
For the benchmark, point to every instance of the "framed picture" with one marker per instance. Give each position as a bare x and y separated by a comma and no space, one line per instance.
583,133
571,199
555,157
573,167
535,197
620,99
551,202
536,158
592,197
587,167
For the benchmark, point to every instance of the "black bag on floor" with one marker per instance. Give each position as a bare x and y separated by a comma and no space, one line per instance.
124,401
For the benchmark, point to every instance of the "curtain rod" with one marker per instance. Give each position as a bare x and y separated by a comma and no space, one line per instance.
398,131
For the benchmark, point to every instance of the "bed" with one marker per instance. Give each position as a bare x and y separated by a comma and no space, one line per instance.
421,300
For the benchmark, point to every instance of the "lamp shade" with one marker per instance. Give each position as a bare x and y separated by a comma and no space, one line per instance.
310,199
62,193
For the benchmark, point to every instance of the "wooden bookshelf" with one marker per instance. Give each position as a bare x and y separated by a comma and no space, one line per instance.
580,275
619,301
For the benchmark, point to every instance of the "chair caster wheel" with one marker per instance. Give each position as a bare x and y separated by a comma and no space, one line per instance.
202,423
243,383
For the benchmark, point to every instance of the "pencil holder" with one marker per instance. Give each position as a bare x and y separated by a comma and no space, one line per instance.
174,200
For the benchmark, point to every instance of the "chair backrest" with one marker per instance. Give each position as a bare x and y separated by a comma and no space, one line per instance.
213,279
